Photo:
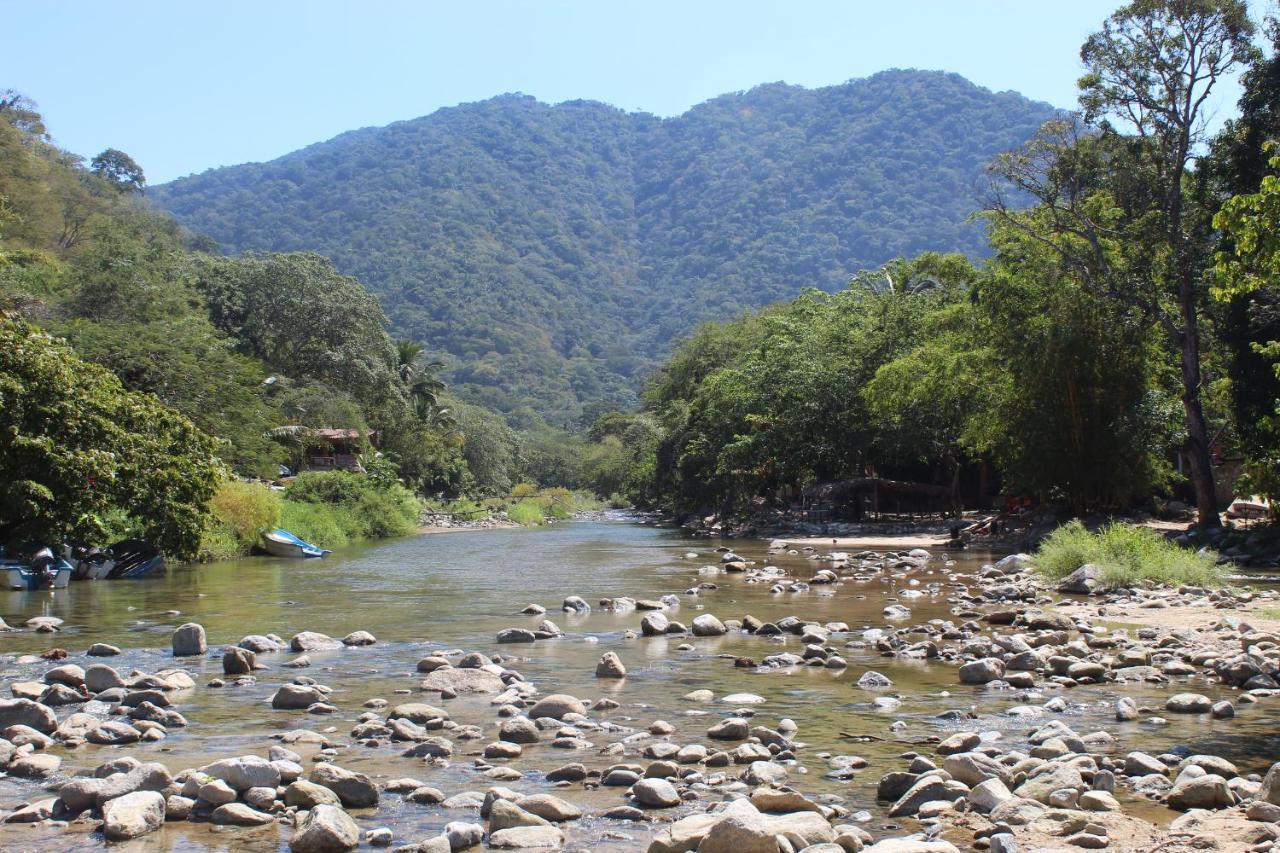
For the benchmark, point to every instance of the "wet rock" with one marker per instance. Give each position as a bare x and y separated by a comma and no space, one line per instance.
458,681
295,697
988,795
516,635
310,641
244,772
133,815
568,773
1049,778
981,671
100,677
417,712
24,712
113,733
325,829
974,767
68,674
610,666
549,808
37,766
143,777
189,640
355,790
1141,764
1270,790
959,742
527,838
1126,708
238,661
505,814
462,835
557,706
928,789
359,638
1188,703
655,794
575,604
654,624
872,680
707,625
102,650
239,814
734,728
259,644
305,795
518,730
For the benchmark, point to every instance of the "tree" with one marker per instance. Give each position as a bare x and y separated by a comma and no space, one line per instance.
1150,70
22,112
75,446
119,170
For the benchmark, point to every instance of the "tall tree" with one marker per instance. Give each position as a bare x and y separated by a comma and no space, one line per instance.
119,169
1149,73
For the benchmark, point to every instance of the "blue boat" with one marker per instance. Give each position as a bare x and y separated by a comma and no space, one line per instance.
43,572
282,543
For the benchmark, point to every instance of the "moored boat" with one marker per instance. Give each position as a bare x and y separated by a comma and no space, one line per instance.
20,575
282,543
133,558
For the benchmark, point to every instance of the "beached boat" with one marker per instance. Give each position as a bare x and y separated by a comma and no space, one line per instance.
134,558
22,575
282,543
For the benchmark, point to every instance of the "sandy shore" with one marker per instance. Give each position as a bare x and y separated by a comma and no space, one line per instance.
929,541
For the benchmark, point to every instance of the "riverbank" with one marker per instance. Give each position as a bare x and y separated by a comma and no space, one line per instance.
759,698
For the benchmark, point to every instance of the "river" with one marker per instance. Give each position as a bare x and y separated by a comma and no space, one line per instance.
456,591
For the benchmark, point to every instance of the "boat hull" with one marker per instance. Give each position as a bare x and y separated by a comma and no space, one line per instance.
282,543
22,577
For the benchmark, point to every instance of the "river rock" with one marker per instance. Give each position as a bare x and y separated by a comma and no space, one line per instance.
527,838
39,765
549,807
654,624
610,666
981,671
505,814
1048,778
872,680
68,674
100,677
239,814
325,829
557,706
152,776
655,794
305,795
734,728
24,712
928,789
133,815
417,712
355,790
516,635
1083,581
575,604
258,644
245,772
1209,791
359,638
293,697
102,650
189,640
985,796
1270,790
518,730
707,625
238,661
310,641
459,681
1188,703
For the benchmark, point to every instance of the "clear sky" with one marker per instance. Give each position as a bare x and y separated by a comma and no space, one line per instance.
186,86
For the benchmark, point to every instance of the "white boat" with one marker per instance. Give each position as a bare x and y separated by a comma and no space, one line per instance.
20,576
282,543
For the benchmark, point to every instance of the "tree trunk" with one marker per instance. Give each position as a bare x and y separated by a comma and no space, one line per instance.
1197,430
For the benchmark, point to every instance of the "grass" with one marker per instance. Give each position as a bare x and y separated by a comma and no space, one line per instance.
1127,556
240,512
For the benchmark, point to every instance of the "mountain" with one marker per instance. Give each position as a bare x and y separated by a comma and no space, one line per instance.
553,253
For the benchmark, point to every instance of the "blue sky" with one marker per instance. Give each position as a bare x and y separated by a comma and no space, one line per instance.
186,86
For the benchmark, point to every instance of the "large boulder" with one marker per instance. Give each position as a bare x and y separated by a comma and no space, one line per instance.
610,666
707,625
1048,778
245,772
654,624
189,640
311,641
982,671
926,790
1209,791
296,697
133,815
655,794
325,829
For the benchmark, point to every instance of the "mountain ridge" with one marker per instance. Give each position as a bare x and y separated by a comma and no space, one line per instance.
554,252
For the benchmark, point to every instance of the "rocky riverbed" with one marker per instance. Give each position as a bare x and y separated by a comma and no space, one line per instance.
713,701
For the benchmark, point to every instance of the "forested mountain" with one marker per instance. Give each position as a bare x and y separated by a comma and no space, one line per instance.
553,253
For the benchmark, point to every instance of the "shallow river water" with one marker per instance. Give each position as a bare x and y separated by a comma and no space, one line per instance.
431,593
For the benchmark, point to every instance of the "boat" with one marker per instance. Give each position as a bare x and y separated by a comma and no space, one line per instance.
133,558
282,543
44,571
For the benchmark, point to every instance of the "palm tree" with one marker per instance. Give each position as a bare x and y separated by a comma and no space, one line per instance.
421,383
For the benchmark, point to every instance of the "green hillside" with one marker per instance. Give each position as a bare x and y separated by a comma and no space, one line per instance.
554,253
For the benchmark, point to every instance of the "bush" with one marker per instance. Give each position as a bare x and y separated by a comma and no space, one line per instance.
523,490
1127,556
526,512
239,512
334,508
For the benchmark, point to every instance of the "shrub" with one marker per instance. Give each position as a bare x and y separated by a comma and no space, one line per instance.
334,508
526,512
1127,556
523,490
239,512
322,524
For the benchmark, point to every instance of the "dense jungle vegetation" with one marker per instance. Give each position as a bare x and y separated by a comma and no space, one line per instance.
553,253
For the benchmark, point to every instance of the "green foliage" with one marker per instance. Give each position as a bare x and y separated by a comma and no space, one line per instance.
1128,556
555,253
239,512
75,446
526,512
335,508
